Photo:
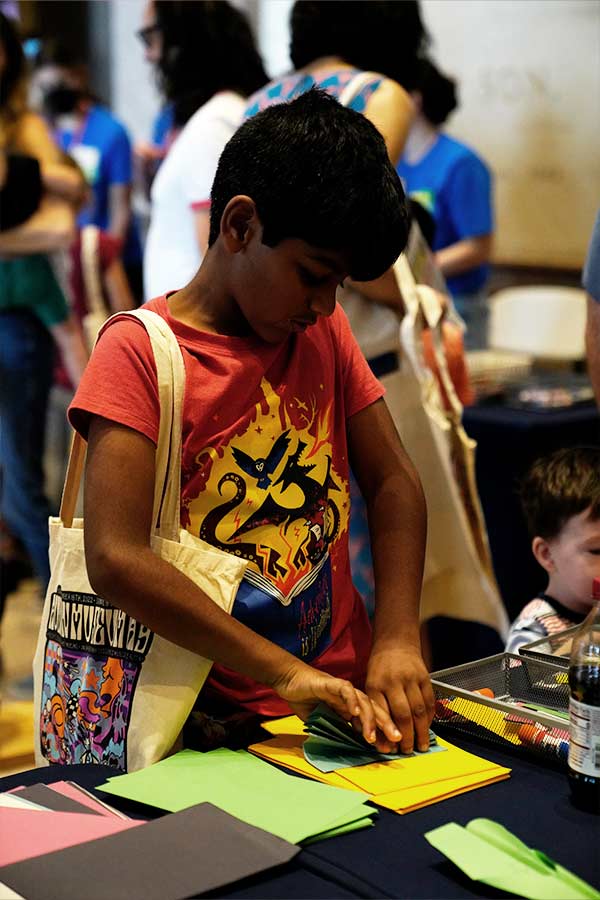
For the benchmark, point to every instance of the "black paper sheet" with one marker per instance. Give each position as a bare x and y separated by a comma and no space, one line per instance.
45,796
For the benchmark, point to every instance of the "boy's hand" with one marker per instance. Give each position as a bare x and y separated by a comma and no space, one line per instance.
399,684
304,688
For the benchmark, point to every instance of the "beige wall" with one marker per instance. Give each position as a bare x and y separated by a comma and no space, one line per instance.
529,73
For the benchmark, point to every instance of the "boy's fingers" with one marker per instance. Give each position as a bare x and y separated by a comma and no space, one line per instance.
402,715
420,717
367,718
343,697
389,735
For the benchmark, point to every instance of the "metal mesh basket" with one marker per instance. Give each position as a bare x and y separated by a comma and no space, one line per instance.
524,706
555,648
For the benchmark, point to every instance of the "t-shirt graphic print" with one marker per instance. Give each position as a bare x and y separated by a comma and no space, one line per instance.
274,498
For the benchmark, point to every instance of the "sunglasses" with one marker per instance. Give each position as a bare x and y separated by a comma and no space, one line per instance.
146,34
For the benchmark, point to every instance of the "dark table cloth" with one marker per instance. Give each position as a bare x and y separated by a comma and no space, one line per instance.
393,859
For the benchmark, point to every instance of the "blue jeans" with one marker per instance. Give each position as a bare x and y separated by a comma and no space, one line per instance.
26,364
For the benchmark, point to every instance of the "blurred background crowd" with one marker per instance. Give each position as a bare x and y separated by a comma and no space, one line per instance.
113,116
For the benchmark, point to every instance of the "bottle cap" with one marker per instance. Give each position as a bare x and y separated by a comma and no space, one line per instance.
596,589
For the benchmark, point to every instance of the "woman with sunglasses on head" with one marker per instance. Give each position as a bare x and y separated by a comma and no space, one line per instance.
207,65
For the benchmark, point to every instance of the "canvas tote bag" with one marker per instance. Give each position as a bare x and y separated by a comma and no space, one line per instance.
106,688
458,579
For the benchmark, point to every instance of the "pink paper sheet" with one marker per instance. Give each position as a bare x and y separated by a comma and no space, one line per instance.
27,833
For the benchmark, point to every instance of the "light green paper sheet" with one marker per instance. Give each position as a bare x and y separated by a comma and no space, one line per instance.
246,787
488,852
366,822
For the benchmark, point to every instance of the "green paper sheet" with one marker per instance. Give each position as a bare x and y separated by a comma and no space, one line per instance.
367,822
490,853
246,787
332,744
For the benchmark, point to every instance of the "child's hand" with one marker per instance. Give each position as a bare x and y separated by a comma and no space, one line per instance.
399,684
304,688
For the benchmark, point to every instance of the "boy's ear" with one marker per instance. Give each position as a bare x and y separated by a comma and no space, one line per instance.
238,223
543,553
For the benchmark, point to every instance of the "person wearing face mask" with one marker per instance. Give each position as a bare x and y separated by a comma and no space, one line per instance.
100,145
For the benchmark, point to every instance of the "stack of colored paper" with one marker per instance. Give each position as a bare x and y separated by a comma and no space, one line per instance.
249,789
39,820
401,784
332,743
75,846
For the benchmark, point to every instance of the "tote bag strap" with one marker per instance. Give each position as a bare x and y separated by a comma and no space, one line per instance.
422,302
355,86
171,380
90,269
170,372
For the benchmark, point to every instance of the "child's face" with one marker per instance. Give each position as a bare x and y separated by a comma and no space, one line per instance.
284,289
575,561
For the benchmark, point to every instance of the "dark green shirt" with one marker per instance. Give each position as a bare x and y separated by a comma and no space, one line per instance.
28,282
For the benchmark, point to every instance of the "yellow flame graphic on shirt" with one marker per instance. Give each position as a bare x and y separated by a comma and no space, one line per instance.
286,541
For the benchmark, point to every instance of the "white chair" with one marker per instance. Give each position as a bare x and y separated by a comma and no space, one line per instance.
546,322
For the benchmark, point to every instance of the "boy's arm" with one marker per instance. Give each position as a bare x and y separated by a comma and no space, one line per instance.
397,678
118,500
464,255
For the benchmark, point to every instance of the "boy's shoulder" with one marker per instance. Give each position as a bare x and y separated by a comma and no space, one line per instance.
549,613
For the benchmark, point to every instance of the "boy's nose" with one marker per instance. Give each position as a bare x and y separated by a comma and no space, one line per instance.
323,301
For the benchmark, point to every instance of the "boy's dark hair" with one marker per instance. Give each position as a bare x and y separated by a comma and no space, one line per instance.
384,36
321,173
208,47
438,93
560,486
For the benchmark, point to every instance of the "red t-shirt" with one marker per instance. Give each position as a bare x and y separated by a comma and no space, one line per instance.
264,472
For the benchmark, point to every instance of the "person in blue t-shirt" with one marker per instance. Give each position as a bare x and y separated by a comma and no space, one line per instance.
99,143
455,185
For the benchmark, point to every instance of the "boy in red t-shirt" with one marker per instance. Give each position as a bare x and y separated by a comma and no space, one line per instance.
278,402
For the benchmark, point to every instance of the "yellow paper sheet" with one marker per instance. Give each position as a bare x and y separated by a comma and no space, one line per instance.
409,799
400,785
287,725
382,778
286,750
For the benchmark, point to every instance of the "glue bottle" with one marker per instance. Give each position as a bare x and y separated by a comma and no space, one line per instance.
584,710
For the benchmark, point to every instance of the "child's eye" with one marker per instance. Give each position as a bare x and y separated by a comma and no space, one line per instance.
595,551
309,278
